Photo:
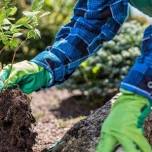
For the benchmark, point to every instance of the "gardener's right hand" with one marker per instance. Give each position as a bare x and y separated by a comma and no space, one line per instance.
124,125
28,76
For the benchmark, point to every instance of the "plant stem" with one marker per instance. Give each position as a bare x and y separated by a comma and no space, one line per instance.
14,55
13,59
2,50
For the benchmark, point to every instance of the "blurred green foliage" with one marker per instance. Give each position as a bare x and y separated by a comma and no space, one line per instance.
100,75
15,30
60,12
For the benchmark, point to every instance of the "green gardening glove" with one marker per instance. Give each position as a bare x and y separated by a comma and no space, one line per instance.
124,125
28,76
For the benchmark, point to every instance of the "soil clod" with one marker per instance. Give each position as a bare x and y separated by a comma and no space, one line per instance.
16,119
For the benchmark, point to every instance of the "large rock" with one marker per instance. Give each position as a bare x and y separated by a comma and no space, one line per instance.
84,136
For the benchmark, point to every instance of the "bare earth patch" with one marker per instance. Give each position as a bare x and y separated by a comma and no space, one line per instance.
55,111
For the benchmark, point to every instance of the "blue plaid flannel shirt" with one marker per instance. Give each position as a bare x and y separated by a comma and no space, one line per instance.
93,22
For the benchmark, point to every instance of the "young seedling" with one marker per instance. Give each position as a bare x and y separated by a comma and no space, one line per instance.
14,32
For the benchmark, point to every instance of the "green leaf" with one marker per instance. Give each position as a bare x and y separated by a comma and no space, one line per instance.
34,21
45,14
12,11
22,21
28,26
17,34
14,29
6,3
6,27
4,39
33,34
6,22
37,5
31,14
38,33
14,43
2,17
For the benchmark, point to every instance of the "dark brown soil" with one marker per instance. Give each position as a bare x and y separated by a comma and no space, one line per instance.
16,134
84,135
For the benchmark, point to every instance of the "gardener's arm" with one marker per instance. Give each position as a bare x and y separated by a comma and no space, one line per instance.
93,23
124,125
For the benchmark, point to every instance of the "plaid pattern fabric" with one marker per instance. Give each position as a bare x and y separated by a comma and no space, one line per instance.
139,79
93,22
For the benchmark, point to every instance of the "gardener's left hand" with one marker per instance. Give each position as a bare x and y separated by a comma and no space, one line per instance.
28,76
124,125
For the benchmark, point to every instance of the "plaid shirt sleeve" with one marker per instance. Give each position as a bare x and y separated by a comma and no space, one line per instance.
139,78
93,22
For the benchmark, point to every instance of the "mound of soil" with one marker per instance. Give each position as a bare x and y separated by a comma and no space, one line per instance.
16,134
84,135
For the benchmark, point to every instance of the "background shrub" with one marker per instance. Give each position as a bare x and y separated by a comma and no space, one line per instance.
100,75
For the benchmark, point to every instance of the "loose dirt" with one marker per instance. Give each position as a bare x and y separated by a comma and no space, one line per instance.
56,111
16,134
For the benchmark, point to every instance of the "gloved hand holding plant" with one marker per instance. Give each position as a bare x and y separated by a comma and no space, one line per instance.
28,76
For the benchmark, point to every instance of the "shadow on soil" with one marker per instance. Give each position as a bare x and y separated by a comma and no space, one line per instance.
76,106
